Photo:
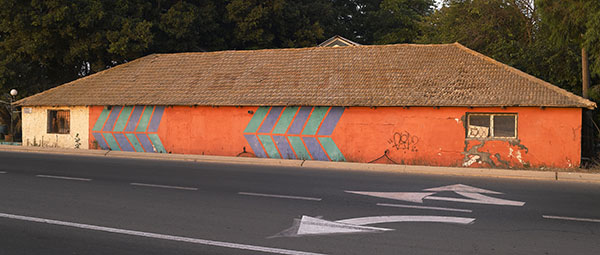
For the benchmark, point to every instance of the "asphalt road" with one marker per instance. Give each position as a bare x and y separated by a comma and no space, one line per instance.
52,204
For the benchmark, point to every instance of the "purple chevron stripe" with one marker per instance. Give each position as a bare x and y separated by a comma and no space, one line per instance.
100,140
156,117
255,145
314,148
134,119
145,142
284,147
123,142
271,119
331,120
300,120
112,118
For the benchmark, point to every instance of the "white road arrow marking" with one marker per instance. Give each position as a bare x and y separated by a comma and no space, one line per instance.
473,195
462,188
426,207
406,218
314,226
416,197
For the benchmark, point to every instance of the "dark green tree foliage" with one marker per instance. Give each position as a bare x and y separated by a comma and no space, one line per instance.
398,21
279,23
501,29
542,37
45,43
572,25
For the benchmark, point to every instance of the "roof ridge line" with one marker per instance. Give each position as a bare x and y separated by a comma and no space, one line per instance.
308,48
590,104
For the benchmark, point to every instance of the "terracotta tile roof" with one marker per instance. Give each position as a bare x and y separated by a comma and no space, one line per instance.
376,75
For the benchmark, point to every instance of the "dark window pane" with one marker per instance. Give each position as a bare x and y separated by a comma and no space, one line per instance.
479,120
479,126
59,122
504,126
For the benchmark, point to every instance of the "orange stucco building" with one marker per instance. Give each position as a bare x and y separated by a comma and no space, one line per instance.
441,105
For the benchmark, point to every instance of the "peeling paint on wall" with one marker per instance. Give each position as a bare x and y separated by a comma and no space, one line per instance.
473,155
481,152
517,155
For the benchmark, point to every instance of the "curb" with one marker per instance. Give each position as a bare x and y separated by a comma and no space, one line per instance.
344,166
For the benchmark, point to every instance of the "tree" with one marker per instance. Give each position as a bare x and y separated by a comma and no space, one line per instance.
573,26
279,23
398,21
501,29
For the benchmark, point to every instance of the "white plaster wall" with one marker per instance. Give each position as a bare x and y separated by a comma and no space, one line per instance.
35,128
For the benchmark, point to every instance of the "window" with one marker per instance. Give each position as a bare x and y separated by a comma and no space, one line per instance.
491,125
58,121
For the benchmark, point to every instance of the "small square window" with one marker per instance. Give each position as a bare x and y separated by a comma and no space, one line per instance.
59,122
492,125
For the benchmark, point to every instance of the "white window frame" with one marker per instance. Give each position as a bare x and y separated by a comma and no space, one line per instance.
491,129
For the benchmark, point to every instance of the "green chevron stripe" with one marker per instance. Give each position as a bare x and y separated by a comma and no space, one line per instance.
286,119
134,141
101,120
269,145
145,119
331,148
299,148
315,120
112,143
157,143
123,118
257,119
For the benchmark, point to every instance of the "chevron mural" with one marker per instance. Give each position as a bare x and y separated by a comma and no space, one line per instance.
294,133
129,128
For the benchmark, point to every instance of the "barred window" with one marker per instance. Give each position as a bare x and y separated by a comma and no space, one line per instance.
59,121
491,125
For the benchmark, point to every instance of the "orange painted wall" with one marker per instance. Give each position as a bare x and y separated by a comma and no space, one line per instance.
546,137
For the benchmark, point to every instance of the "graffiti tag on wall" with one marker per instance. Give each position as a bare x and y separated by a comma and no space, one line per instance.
404,141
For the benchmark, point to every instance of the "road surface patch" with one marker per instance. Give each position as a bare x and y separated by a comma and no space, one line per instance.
279,196
162,186
570,218
425,207
158,236
63,177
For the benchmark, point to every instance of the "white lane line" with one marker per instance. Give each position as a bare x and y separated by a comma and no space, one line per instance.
63,177
162,186
279,196
2,172
425,207
570,218
158,236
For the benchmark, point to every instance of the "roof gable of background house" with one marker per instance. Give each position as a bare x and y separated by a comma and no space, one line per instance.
377,75
337,41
